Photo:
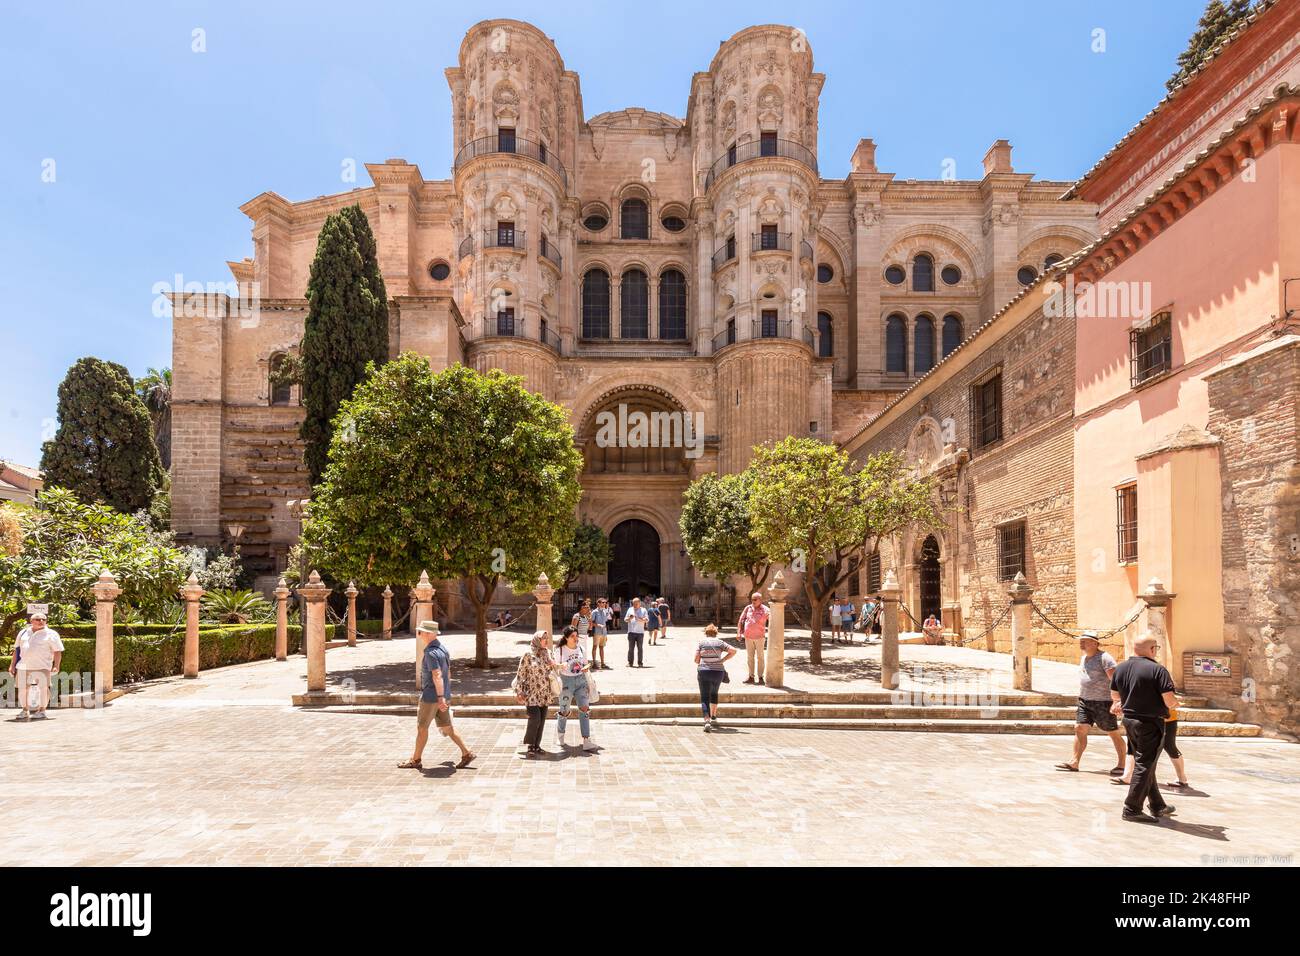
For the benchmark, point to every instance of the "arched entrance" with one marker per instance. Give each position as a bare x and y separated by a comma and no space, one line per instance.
928,566
634,570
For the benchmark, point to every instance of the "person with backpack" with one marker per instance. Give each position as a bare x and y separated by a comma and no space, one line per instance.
652,621
752,626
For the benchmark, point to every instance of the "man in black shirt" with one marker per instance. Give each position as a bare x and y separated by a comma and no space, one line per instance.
1143,692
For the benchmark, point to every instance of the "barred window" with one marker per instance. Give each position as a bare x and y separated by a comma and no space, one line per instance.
873,572
634,300
1126,523
672,305
595,304
1150,350
636,219
1011,550
986,410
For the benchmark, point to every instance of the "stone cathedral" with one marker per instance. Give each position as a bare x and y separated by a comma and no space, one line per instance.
632,259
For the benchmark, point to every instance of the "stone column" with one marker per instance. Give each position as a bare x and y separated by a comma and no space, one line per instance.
351,592
543,593
775,661
889,631
1022,635
190,594
106,594
313,594
281,620
1157,624
388,613
421,610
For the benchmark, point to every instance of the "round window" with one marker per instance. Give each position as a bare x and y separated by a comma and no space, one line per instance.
595,222
951,275
825,273
1027,275
895,275
1052,260
674,223
439,271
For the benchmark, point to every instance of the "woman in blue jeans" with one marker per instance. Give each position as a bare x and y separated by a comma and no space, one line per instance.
572,665
711,658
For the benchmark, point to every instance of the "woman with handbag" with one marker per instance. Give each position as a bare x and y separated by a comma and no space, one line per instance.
711,658
534,685
571,660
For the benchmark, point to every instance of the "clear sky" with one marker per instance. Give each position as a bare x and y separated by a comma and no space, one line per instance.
155,146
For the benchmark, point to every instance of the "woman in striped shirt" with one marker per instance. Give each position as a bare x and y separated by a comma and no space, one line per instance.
711,658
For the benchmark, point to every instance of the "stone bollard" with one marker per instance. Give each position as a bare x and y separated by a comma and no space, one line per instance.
775,660
1157,624
1022,634
313,594
388,613
190,594
106,593
281,620
889,631
421,610
351,592
543,592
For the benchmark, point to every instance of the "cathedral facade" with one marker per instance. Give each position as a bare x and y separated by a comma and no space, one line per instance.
632,261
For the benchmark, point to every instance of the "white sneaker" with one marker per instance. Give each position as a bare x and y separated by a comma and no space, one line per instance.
588,743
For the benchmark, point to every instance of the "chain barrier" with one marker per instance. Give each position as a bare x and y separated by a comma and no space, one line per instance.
1101,635
988,630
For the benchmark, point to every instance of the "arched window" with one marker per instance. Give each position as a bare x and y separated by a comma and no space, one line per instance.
896,344
825,335
595,304
635,219
281,387
923,344
672,305
951,334
634,303
923,274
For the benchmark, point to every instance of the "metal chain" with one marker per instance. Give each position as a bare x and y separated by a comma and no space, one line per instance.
1101,635
988,630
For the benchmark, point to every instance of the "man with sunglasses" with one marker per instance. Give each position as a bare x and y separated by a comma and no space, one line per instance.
1143,692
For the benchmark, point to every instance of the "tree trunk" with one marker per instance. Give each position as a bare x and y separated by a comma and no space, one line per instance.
480,602
815,605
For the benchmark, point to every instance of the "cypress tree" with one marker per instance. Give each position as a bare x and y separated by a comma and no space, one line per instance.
1216,22
104,449
370,259
342,332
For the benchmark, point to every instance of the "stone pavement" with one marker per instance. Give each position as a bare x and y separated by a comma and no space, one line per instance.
222,770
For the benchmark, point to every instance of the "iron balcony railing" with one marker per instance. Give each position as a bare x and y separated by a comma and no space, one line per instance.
770,242
466,247
772,328
805,250
504,239
808,339
547,249
726,252
757,149
724,338
504,325
488,145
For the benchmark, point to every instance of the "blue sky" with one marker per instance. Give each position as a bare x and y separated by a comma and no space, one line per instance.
156,146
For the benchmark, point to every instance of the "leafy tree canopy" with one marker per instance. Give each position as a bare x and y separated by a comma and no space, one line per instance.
717,529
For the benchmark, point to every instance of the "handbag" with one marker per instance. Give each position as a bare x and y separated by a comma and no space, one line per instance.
593,694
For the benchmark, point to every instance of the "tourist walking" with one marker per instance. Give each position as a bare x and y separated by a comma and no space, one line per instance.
652,621
1170,746
38,653
573,664
636,624
1143,692
533,689
1096,670
837,618
435,701
870,608
665,615
752,626
600,619
711,658
582,621
618,613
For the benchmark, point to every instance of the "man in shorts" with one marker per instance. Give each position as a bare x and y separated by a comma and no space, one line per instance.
1096,668
665,616
38,652
600,619
435,701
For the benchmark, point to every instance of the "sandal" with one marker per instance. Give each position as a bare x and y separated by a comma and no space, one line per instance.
411,765
1179,785
1067,766
1120,783
465,761
1116,771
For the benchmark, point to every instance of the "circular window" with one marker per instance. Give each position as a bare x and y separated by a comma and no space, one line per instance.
951,275
595,222
895,275
825,273
1052,260
1027,275
439,271
674,223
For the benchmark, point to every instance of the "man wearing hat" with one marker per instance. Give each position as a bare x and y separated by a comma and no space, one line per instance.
435,699
1096,668
38,651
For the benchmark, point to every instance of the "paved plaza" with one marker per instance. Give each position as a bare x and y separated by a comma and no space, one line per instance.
221,770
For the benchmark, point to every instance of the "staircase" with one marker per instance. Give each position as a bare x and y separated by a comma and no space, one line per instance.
877,710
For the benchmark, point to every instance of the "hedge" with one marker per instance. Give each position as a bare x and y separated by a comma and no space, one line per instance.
138,657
